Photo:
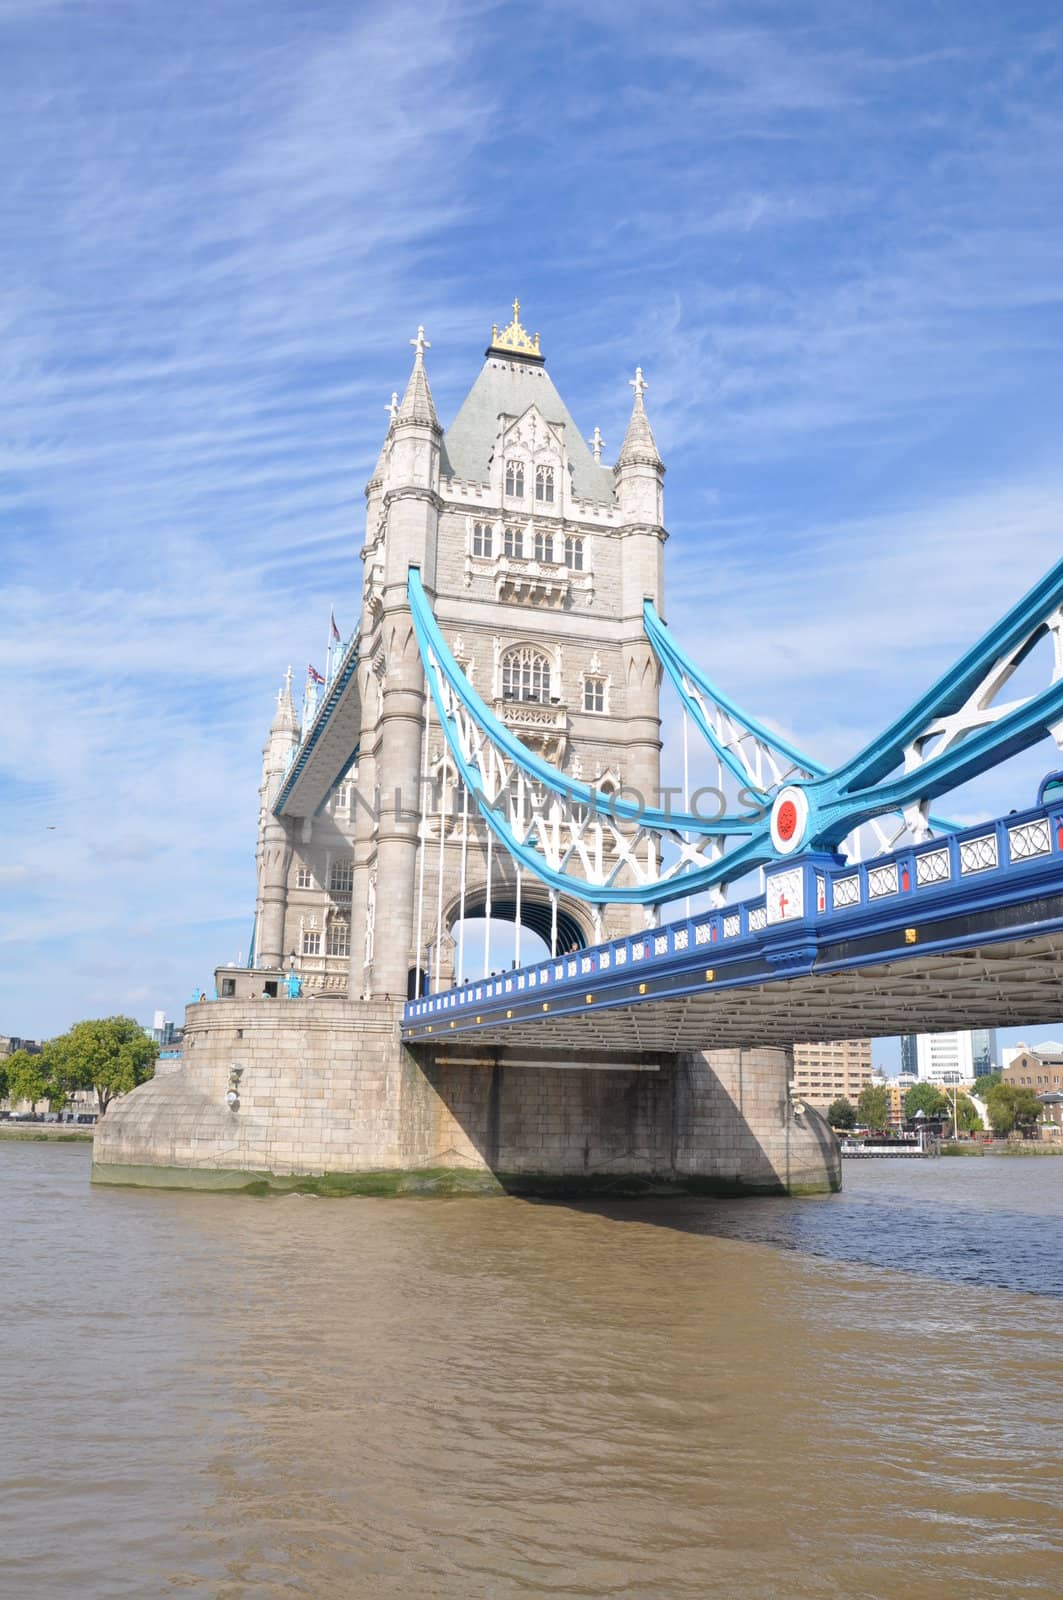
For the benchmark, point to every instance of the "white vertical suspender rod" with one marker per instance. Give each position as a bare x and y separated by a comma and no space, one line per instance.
553,922
487,908
421,830
437,964
686,781
516,926
461,890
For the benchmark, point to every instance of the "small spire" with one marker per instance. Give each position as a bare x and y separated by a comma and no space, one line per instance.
392,407
596,442
284,720
639,443
417,404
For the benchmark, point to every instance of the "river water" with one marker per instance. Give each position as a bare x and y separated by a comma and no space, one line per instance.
234,1397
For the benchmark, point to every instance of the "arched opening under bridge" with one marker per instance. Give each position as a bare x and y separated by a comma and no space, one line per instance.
495,944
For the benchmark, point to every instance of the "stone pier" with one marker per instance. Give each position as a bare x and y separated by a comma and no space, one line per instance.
330,1099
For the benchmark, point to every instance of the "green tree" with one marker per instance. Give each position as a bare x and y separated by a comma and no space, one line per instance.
987,1081
924,1097
841,1113
28,1079
1010,1107
111,1055
873,1107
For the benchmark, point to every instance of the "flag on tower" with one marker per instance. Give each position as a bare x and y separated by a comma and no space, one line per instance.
335,632
313,674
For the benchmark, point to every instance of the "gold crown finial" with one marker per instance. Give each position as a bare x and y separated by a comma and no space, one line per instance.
515,338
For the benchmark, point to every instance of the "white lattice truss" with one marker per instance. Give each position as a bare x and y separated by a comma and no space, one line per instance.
766,767
588,843
980,710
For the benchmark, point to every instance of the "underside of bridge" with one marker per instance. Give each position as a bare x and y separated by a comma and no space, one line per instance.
1014,984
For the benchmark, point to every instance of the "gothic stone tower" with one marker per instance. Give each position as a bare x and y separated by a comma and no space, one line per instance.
536,558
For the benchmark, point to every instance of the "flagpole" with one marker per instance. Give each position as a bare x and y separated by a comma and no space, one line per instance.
328,652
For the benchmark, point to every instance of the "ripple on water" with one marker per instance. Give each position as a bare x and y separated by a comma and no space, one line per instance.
235,1397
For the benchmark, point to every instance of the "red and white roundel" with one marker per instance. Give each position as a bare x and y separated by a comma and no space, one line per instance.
789,818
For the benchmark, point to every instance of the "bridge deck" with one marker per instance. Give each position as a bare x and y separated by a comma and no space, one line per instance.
962,932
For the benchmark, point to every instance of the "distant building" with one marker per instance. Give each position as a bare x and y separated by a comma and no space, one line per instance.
945,1058
1051,1115
910,1055
985,1052
163,1031
1037,1069
823,1072
9,1043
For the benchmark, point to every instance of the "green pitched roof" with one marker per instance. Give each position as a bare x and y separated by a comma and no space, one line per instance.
509,386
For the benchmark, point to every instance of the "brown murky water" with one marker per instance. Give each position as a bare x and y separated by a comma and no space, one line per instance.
232,1397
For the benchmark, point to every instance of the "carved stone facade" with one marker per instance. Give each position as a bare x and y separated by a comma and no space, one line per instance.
537,558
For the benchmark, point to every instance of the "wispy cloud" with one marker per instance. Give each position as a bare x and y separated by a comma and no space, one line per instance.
833,243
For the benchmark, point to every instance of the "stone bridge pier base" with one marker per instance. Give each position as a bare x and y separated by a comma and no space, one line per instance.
330,1099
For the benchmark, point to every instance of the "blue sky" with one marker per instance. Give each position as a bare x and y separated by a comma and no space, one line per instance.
832,236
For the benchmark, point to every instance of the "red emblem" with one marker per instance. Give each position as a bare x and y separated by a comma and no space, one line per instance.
786,821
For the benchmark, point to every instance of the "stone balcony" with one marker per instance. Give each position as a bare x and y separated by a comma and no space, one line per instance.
542,726
537,583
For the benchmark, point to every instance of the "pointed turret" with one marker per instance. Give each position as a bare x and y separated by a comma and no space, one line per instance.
274,843
417,403
639,470
411,480
639,479
639,445
284,718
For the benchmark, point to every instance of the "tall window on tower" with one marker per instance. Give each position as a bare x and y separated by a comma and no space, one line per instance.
341,877
544,545
574,553
481,538
544,485
594,694
515,479
513,542
525,674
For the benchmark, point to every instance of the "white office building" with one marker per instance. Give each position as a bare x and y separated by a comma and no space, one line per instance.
945,1057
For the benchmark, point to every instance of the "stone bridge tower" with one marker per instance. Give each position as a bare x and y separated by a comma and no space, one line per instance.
537,557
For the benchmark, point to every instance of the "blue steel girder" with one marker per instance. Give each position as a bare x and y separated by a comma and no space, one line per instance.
757,758
991,895
953,733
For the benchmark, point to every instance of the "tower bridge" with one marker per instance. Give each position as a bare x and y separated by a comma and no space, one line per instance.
485,747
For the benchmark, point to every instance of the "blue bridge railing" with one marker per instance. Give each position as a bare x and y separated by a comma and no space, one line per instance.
806,900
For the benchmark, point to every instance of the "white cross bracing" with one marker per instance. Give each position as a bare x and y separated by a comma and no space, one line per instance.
981,709
587,844
766,767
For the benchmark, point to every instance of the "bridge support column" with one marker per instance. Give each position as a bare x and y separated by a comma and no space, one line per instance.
736,1125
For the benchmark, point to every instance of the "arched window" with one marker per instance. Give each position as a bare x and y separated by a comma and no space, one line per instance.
513,542
544,484
481,538
525,674
339,937
544,545
515,479
574,553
